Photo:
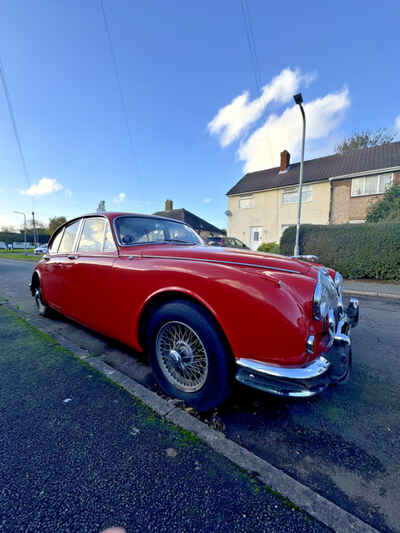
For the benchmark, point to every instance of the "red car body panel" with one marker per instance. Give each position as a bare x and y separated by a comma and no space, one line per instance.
262,302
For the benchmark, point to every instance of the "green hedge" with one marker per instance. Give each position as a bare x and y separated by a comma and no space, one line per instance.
269,247
356,250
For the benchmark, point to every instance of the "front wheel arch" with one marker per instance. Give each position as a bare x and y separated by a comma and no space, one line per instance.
158,300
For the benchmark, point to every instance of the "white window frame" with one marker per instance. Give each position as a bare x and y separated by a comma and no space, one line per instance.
365,178
249,199
307,189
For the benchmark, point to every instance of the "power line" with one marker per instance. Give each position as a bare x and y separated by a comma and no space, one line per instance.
251,42
14,124
248,28
118,79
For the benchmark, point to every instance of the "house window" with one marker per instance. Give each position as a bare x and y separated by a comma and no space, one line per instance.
246,202
371,184
291,195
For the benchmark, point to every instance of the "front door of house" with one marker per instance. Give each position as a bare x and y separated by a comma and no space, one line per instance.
255,237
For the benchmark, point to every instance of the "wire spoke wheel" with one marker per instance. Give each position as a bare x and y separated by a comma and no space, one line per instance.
182,356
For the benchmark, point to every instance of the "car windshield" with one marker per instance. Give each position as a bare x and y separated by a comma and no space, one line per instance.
140,230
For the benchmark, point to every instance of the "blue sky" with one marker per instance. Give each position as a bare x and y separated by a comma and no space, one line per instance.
182,64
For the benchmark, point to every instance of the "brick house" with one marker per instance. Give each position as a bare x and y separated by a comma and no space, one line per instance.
201,226
337,189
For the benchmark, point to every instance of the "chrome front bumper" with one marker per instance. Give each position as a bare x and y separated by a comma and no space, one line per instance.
334,366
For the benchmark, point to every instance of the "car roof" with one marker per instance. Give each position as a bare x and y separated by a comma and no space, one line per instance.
111,215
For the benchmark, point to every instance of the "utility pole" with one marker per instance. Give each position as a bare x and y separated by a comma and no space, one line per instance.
23,214
298,98
34,226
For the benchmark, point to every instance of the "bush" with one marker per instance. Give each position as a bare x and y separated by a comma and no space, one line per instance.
356,250
388,208
269,247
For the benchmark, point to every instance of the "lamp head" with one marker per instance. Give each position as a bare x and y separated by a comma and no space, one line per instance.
298,98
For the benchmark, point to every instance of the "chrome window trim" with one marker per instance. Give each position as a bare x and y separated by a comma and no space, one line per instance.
77,236
153,217
67,224
84,220
108,226
104,237
62,232
219,261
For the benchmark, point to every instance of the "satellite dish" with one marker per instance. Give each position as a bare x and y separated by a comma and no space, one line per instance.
228,213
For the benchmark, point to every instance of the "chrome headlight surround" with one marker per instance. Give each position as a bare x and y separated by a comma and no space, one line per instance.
326,296
338,281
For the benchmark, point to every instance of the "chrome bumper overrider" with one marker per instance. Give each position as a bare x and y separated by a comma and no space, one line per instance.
331,367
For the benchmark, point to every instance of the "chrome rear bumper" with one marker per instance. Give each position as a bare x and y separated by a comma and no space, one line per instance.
301,382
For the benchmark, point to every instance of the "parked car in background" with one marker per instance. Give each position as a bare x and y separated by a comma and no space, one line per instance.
203,316
42,249
226,242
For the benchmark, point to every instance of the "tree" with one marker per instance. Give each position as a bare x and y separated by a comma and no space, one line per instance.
55,222
388,208
364,139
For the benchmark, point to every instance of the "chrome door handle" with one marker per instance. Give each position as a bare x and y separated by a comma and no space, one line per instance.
72,256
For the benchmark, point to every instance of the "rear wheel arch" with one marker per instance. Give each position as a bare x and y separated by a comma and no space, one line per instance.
35,283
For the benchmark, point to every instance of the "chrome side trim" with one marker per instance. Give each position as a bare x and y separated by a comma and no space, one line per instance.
219,261
314,369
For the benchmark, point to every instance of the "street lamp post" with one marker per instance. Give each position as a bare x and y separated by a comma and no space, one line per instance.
298,98
23,214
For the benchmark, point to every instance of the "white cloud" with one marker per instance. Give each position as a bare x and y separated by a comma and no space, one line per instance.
284,131
43,187
207,200
397,125
233,119
120,198
11,221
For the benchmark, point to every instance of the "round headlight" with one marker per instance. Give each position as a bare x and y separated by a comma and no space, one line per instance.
326,295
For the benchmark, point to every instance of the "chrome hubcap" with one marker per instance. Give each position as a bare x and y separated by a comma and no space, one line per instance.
182,356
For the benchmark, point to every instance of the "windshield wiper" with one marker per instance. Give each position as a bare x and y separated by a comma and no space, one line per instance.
180,241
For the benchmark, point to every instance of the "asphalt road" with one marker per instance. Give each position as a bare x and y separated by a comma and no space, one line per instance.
77,453
345,443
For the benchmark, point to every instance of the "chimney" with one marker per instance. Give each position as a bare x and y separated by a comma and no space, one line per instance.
169,205
285,161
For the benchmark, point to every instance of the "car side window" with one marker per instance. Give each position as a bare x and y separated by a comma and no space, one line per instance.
109,244
56,243
92,235
68,239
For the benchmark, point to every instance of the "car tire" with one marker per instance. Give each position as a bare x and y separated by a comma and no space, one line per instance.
188,355
43,309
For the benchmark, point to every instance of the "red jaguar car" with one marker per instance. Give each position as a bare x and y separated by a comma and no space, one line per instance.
204,315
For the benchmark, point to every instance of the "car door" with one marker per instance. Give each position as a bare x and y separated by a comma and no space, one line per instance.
92,275
59,263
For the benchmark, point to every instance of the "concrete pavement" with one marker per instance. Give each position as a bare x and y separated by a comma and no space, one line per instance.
366,287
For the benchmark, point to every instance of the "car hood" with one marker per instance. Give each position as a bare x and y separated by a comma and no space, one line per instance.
215,254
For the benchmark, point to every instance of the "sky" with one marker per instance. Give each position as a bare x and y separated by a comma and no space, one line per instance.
195,113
